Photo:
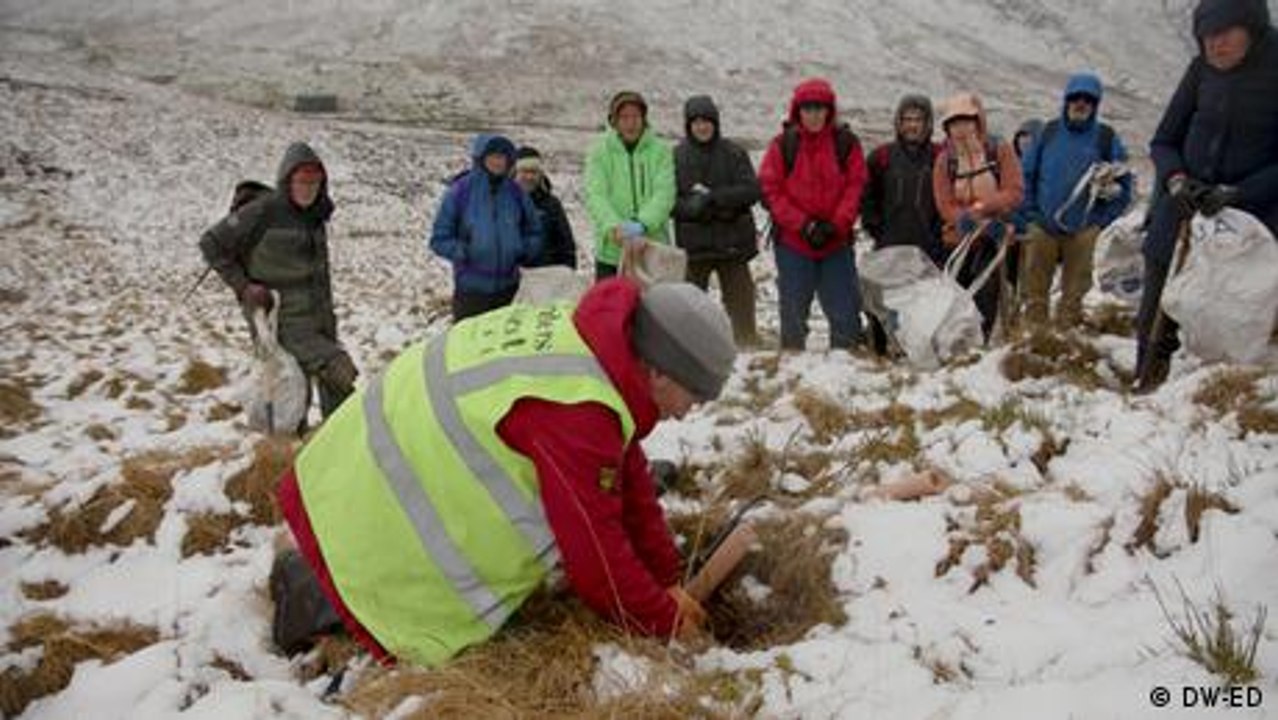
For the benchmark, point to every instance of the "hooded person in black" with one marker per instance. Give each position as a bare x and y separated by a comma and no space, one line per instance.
558,246
279,242
1216,147
715,188
897,207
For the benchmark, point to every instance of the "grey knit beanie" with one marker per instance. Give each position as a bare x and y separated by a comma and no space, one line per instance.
683,334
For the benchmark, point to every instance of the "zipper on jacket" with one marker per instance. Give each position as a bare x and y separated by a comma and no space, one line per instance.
634,190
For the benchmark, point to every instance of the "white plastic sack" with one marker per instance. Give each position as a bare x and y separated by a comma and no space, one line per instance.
277,397
891,267
1120,266
550,284
1226,295
933,321
653,262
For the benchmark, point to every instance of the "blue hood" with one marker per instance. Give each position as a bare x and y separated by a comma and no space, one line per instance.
1082,84
486,144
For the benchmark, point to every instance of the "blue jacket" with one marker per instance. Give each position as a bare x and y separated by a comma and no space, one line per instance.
1053,166
1222,127
486,226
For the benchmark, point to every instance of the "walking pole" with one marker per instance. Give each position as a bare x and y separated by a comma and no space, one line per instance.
1160,318
207,269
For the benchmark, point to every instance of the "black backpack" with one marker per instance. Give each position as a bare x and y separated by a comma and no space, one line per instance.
844,141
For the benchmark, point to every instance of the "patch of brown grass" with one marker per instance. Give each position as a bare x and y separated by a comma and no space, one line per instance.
1044,353
827,418
888,447
1151,503
1111,319
1199,500
99,432
137,402
44,590
223,411
894,415
63,647
794,563
200,376
961,411
995,526
542,666
16,407
145,482
255,485
1233,390
749,475
208,533
230,667
83,382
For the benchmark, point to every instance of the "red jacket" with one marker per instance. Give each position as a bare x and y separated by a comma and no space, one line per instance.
816,188
617,551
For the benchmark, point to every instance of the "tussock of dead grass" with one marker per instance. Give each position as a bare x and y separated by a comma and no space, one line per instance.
223,411
1207,636
961,411
44,590
543,666
145,482
888,447
825,416
1199,500
254,487
200,376
63,647
995,526
99,432
1151,504
1047,354
83,382
1233,390
16,407
794,562
1098,546
749,475
1111,319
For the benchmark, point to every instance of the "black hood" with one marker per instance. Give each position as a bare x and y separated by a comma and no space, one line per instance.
1212,16
700,106
914,102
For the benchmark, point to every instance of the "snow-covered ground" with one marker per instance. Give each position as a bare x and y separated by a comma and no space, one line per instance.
122,139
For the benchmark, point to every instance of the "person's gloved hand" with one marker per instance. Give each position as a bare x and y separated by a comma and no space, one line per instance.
1188,192
690,616
995,230
339,371
816,233
697,203
257,295
966,224
1217,198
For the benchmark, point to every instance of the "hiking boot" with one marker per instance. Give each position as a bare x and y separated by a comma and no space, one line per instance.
301,609
1153,375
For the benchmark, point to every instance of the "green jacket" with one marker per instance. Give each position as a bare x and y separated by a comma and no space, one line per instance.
431,526
624,185
273,242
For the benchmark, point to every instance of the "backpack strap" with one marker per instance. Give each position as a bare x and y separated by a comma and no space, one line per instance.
789,147
844,141
991,162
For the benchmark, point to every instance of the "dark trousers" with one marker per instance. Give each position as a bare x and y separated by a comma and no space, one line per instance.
737,287
470,304
986,298
1167,342
833,281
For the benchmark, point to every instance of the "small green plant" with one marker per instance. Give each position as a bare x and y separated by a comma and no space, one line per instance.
1207,636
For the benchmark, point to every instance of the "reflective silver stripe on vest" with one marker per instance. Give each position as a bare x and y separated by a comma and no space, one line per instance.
528,517
423,515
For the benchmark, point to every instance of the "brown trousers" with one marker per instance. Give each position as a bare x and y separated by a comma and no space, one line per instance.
737,286
1040,253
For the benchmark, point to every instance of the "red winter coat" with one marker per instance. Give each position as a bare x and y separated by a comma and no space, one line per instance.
599,498
816,188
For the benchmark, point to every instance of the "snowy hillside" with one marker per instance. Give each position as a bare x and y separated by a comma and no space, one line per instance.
136,531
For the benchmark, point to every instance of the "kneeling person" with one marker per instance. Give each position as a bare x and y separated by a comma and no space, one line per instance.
435,504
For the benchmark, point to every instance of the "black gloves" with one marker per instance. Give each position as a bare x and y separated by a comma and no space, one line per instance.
1187,192
697,205
1197,196
816,233
1217,198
